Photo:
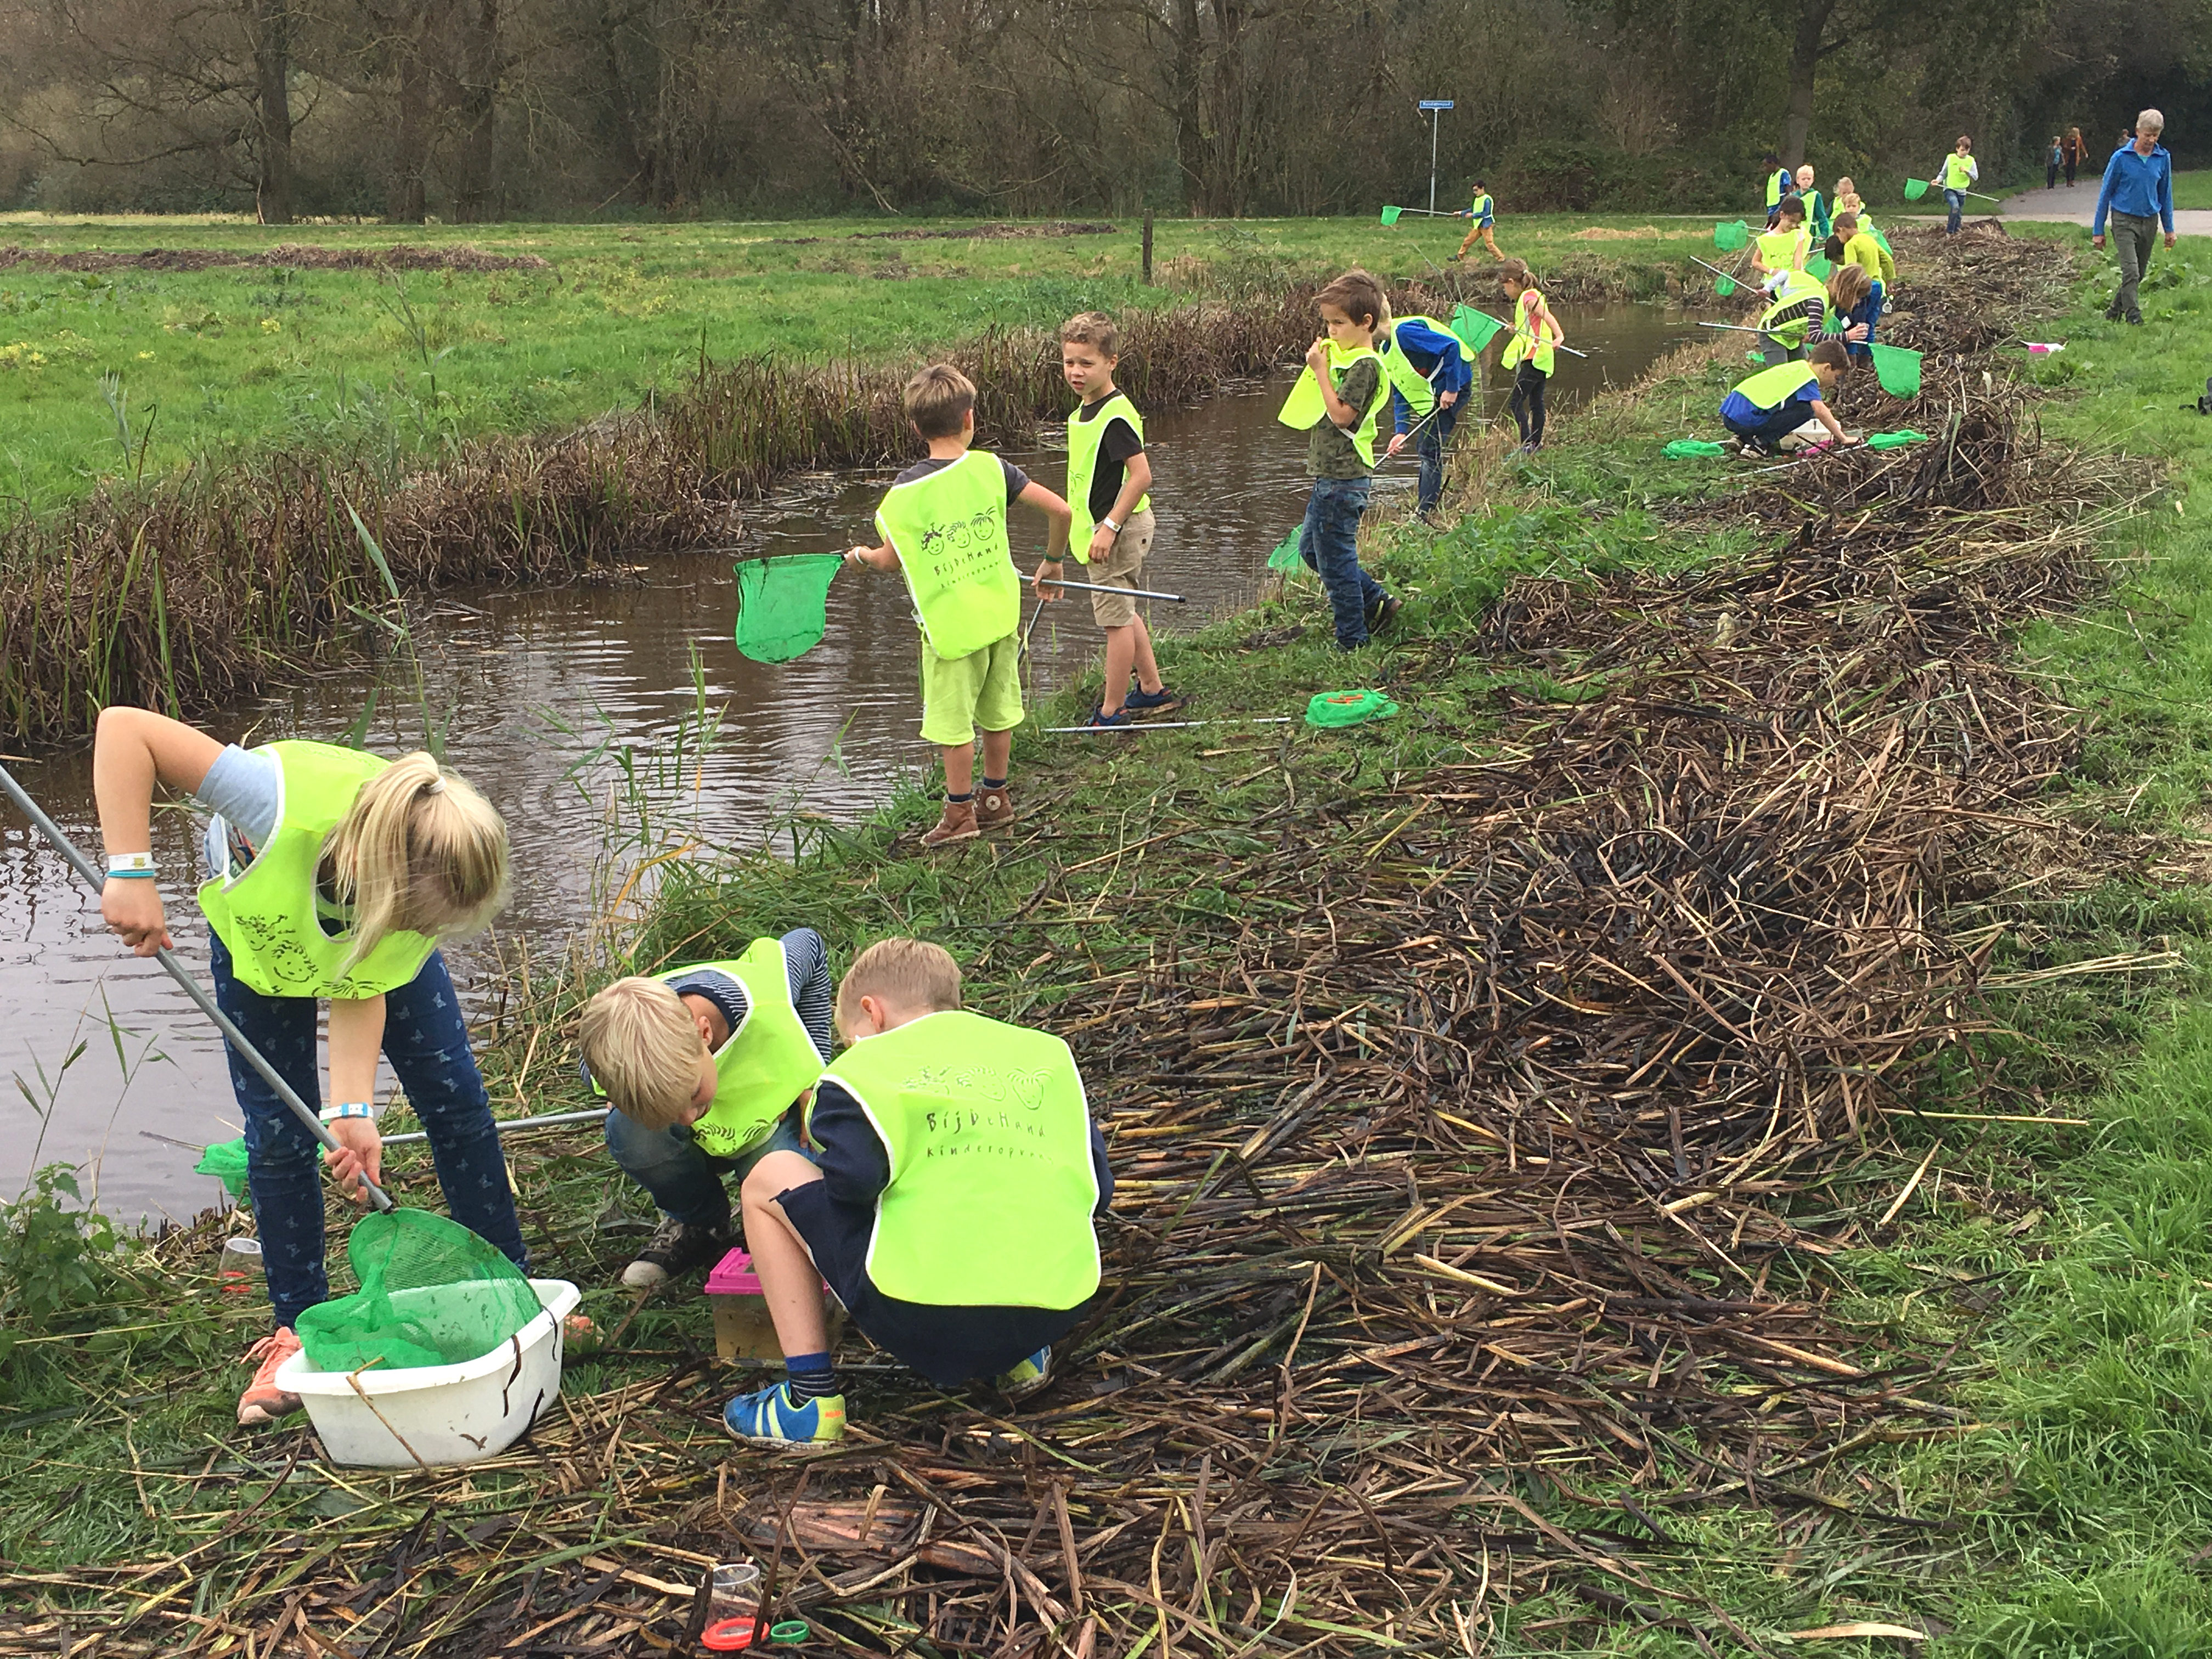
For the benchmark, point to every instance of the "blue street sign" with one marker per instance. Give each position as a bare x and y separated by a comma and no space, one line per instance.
1436,103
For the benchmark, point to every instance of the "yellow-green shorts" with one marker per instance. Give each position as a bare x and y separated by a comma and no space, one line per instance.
982,689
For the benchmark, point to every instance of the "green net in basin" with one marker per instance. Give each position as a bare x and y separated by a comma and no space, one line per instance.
1898,369
1730,237
432,1293
783,604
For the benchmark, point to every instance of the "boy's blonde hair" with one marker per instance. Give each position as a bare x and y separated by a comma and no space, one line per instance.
910,972
938,400
1357,295
1093,328
643,1047
418,851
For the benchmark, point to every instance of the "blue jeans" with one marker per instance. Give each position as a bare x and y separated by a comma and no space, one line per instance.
427,1043
1867,311
1956,201
1329,542
1778,424
1435,439
685,1181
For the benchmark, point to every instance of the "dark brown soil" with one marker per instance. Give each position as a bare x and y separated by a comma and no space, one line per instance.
285,254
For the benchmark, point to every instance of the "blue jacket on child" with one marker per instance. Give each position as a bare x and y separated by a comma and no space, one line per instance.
1436,358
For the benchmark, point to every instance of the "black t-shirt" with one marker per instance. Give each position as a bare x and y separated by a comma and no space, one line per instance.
1017,480
1115,449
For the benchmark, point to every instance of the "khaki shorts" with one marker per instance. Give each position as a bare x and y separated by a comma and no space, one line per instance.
1124,567
982,689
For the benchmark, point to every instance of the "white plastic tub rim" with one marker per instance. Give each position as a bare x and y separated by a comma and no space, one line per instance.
430,1416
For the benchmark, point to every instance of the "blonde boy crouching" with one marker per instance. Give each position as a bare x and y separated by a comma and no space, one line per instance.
948,1203
705,1067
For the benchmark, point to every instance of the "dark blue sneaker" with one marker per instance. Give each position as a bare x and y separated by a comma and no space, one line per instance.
1162,701
773,1418
1108,723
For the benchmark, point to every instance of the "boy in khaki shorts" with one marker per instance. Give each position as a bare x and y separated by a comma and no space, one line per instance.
1108,474
944,525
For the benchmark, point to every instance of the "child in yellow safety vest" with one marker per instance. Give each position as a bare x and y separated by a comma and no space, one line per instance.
944,525
949,1204
1801,313
1337,401
1787,246
1763,408
334,875
1109,474
704,1066
1484,212
1959,170
1528,354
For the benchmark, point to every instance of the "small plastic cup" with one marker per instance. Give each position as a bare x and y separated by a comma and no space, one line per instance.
239,1265
733,1606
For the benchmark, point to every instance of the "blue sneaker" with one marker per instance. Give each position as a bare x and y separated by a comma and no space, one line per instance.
773,1418
1026,1378
1141,701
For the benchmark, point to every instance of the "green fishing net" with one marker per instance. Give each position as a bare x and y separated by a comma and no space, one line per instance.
1915,189
1390,215
1730,237
1348,707
1723,286
1475,328
432,1293
1820,267
1690,449
1898,369
782,603
1895,439
226,1162
1285,555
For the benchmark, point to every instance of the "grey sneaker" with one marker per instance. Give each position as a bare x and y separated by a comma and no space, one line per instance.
675,1249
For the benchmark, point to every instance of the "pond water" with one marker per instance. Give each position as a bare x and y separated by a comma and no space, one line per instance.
551,692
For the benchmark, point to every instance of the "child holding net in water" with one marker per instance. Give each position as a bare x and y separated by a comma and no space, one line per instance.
944,525
337,875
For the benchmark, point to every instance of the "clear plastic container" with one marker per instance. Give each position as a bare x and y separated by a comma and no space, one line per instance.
239,1269
732,1607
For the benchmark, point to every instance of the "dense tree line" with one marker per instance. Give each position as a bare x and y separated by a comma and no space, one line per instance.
471,110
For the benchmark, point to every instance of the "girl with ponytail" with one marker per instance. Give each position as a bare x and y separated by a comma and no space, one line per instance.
333,878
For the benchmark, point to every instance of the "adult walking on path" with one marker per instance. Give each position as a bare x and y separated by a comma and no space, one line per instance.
2074,154
2138,197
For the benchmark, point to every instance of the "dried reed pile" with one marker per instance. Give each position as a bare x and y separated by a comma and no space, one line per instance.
1470,1132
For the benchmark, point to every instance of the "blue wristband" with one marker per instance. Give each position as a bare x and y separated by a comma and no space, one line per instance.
131,875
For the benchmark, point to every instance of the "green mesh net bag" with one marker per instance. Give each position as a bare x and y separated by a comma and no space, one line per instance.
783,604
432,1293
1731,236
1691,449
1286,555
1475,328
1335,708
226,1161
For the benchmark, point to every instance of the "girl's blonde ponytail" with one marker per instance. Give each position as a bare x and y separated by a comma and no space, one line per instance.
419,851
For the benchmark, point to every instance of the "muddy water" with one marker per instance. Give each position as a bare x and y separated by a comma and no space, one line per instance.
550,694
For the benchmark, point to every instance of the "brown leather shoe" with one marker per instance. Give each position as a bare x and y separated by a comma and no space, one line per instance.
994,808
958,823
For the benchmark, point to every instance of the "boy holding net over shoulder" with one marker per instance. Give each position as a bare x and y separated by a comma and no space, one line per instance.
944,525
952,1208
1109,474
706,1067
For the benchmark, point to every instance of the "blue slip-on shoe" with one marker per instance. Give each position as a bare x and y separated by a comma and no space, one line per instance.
1024,1377
1162,701
773,1418
1107,722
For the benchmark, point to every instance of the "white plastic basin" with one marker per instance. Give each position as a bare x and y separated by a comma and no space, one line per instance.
429,1415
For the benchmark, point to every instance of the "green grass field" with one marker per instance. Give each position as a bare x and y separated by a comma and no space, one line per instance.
234,359
2193,190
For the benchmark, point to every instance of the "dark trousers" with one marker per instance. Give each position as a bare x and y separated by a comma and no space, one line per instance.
2051,175
1527,402
2133,238
1956,201
2070,168
1435,439
1778,424
1329,541
427,1043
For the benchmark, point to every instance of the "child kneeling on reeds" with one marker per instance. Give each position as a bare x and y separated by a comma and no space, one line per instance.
944,525
1109,475
1337,401
706,1067
1763,408
951,1209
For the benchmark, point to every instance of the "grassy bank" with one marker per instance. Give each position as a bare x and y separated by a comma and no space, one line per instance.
1448,1312
528,329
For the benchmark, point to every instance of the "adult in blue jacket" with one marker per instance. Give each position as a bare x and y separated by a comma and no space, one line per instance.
1435,355
2138,198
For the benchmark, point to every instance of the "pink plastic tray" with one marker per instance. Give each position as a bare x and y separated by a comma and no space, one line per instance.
734,1275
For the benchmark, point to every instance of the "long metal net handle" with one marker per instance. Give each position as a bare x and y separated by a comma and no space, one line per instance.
192,988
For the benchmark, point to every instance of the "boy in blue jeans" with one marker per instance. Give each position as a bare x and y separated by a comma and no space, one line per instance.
1337,401
706,1067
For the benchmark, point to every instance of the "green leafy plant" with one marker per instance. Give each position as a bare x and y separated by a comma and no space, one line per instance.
58,1258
